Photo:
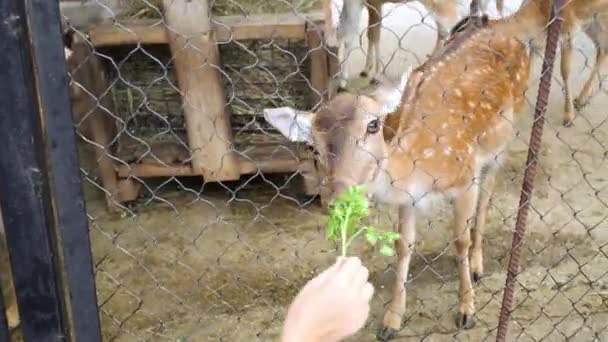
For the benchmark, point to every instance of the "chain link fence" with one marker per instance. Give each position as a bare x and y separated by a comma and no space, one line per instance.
203,219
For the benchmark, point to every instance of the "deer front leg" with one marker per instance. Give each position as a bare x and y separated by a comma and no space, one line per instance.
583,98
464,211
396,310
12,315
487,187
442,34
372,60
569,113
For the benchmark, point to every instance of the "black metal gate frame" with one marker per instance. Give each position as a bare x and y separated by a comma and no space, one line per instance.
40,188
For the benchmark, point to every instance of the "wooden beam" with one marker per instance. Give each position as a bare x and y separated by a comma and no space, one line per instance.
263,161
196,56
227,28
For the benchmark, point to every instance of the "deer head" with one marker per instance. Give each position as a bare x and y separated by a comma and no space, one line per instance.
347,132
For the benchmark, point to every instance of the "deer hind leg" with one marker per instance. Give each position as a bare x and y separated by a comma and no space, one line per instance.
500,7
343,73
488,180
583,98
394,314
372,60
569,113
464,212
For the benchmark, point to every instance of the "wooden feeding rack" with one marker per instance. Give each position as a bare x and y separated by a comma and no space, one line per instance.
193,44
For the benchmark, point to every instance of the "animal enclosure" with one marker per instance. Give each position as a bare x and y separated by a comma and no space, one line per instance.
213,242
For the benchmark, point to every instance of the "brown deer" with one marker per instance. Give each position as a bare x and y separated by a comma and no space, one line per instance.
447,136
91,109
12,311
444,12
529,23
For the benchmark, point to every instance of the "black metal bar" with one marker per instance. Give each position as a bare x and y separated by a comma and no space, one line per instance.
23,187
69,208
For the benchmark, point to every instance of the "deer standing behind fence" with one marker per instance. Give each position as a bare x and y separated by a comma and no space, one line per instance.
12,311
447,137
529,23
444,12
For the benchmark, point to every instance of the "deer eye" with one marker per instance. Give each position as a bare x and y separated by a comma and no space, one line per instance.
373,127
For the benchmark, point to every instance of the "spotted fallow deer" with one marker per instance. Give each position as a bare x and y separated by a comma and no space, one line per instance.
444,12
447,136
529,23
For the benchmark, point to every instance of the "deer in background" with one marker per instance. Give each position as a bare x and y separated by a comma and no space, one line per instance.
447,136
529,23
12,310
444,12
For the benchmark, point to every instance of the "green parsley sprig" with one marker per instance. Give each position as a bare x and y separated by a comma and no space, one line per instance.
345,214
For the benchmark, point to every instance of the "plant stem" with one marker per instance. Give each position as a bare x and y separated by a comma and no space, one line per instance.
352,238
343,229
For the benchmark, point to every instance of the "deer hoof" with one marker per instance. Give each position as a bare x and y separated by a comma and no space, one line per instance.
476,277
386,334
465,321
568,122
363,74
340,90
374,81
578,105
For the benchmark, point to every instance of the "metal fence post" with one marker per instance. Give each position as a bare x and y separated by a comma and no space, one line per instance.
544,90
40,187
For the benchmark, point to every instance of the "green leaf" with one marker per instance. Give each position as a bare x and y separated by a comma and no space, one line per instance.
391,236
387,250
371,237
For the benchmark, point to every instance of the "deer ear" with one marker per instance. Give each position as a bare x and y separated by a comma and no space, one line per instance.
295,125
395,94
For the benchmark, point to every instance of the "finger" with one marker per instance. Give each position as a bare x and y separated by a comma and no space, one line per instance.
327,273
361,277
350,267
368,292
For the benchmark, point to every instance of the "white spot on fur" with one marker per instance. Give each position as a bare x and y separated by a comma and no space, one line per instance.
428,153
471,104
457,92
447,151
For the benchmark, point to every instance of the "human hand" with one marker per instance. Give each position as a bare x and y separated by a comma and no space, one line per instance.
332,306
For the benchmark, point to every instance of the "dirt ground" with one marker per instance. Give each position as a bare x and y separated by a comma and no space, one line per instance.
204,262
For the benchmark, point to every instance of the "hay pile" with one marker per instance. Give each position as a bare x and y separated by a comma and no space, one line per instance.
257,75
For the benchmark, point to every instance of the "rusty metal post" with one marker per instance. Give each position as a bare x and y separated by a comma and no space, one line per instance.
544,89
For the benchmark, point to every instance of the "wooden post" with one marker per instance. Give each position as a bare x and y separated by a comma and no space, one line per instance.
196,55
319,71
331,46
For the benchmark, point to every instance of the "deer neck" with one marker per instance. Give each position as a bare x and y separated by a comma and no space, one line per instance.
527,22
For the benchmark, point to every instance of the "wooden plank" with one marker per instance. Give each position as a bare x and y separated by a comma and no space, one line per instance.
207,119
227,28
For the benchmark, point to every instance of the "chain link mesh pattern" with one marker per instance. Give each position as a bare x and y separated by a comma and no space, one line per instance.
195,260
